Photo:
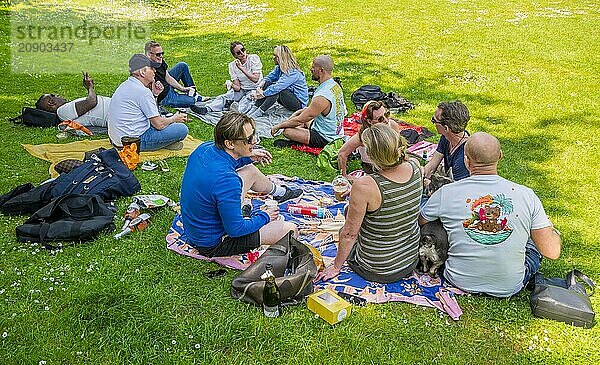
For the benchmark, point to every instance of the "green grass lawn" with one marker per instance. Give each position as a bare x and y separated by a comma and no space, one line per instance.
529,73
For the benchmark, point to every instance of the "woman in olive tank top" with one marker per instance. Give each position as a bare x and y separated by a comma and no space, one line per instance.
380,239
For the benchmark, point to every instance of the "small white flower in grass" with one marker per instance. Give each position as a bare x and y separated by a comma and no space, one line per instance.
4,334
546,332
546,339
82,335
50,288
46,308
36,301
405,321
42,362
51,279
79,353
535,337
191,336
137,270
197,346
78,255
173,342
548,349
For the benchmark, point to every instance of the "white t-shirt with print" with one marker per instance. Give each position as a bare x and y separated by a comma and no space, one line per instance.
253,65
489,220
95,117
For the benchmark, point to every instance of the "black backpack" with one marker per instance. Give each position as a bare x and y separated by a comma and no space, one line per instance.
33,117
69,218
367,93
104,174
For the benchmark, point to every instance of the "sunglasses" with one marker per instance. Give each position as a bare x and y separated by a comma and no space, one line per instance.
381,119
435,121
158,54
251,139
241,51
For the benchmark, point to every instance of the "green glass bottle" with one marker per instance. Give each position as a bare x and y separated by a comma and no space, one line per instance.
271,295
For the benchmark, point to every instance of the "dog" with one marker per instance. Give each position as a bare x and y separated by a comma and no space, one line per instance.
433,246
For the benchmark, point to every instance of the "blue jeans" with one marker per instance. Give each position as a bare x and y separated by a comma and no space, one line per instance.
533,260
153,139
180,72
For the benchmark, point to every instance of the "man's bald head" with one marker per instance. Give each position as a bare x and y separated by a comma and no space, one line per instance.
324,61
483,149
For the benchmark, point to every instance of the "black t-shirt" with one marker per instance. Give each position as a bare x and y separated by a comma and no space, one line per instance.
161,75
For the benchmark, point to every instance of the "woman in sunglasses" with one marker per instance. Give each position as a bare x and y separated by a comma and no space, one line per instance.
245,72
450,120
373,112
286,84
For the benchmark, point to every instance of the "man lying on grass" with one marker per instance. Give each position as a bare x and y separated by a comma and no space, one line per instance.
497,230
90,111
217,176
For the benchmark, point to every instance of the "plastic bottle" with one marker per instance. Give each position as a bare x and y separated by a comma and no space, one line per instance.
271,294
309,210
138,224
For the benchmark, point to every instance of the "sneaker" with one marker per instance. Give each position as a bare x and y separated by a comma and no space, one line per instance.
234,106
149,166
289,194
282,143
175,146
164,167
201,110
246,210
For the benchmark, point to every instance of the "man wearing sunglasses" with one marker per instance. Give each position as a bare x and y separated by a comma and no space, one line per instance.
450,120
245,72
170,80
217,177
320,122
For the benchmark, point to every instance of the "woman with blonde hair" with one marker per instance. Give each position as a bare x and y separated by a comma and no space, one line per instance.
286,84
380,239
373,112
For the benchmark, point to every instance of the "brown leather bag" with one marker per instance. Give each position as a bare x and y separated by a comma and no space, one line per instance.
293,267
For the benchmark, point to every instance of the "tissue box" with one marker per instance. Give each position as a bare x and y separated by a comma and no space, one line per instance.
329,306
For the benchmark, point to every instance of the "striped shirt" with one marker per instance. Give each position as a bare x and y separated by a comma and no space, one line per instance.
388,240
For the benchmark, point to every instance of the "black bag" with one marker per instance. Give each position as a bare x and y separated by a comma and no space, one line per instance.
293,267
103,174
563,300
70,218
15,192
36,118
396,103
366,93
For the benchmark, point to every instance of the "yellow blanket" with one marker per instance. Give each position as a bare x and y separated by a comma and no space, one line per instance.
56,152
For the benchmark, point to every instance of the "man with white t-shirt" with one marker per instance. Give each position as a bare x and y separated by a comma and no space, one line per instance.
90,111
134,113
245,72
498,230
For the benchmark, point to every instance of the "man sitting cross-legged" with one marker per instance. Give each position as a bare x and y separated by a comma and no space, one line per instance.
320,122
217,177
497,229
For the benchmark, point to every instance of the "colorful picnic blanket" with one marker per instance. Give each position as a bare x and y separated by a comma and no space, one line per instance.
417,289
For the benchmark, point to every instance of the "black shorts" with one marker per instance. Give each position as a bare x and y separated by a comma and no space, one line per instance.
232,245
316,139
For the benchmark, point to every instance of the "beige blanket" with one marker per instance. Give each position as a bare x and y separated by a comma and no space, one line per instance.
56,152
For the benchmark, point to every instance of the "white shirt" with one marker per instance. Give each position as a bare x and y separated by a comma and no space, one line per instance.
252,65
95,117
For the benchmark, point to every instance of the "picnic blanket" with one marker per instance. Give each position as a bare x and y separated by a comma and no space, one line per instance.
274,115
56,152
417,289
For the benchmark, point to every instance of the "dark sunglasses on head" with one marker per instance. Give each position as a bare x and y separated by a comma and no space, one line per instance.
251,139
158,54
241,51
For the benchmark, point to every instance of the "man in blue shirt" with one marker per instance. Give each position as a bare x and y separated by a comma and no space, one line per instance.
321,122
217,176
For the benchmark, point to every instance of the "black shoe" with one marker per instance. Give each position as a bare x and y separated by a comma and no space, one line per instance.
201,110
246,210
281,143
289,194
